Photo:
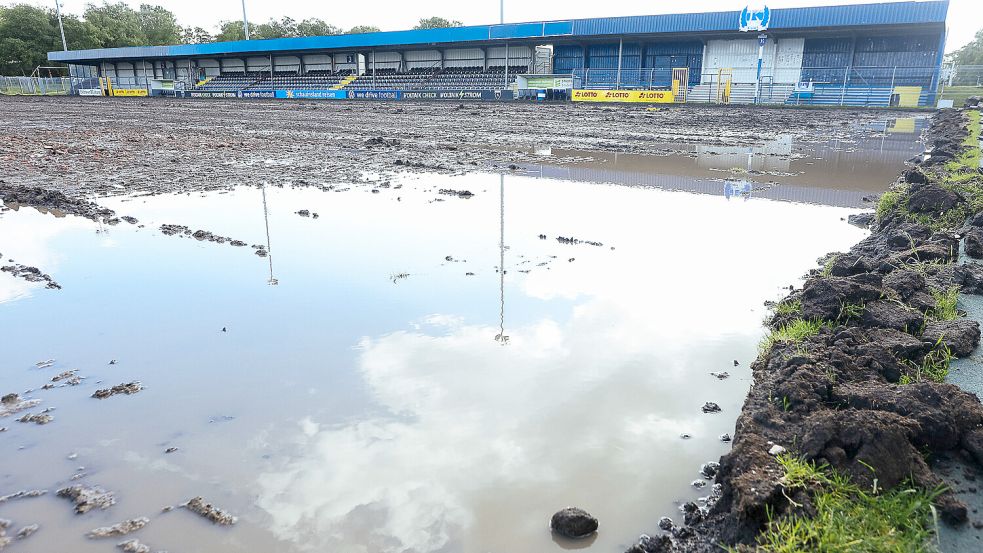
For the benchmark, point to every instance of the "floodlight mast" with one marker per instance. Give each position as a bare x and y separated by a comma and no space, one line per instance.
61,26
245,20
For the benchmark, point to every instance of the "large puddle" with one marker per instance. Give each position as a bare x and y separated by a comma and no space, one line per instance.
393,391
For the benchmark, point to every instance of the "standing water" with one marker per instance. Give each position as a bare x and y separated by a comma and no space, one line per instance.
376,384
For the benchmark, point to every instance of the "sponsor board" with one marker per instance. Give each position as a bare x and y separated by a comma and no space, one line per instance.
256,94
638,96
90,92
375,94
210,94
312,94
562,83
129,92
457,95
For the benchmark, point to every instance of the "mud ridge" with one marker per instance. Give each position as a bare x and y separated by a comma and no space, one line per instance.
852,395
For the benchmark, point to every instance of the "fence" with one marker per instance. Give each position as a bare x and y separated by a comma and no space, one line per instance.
857,86
36,86
963,75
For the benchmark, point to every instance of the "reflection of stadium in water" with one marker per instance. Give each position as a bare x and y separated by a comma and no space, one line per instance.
839,173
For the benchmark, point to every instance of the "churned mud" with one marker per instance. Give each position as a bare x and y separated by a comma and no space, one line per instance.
107,147
124,389
200,507
852,395
119,529
87,498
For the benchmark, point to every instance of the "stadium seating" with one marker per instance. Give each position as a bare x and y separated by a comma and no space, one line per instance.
452,78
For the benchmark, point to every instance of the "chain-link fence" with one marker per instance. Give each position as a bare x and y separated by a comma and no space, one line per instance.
36,86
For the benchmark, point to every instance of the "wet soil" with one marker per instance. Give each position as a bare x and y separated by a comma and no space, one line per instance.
99,146
840,396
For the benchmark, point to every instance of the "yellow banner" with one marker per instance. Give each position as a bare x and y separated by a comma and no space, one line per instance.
638,96
129,92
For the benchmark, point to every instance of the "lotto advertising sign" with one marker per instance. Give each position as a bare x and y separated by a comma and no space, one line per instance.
633,96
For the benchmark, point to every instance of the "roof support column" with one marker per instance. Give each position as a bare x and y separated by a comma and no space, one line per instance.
621,45
272,69
505,84
301,68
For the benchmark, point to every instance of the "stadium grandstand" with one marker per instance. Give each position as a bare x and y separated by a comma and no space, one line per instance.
867,54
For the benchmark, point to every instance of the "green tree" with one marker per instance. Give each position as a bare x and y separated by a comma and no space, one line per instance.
116,25
359,29
195,35
316,27
437,23
28,33
970,54
283,28
159,25
229,31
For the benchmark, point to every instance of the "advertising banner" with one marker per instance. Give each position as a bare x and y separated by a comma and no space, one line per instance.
90,92
211,94
313,94
636,96
457,95
130,92
256,94
375,94
560,83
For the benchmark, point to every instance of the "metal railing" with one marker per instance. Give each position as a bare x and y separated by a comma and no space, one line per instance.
35,86
963,75
866,86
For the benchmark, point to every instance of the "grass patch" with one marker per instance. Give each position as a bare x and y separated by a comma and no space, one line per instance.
891,201
849,518
945,304
788,307
959,94
961,175
851,311
934,367
792,333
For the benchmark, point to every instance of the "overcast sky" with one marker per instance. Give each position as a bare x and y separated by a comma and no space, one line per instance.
965,16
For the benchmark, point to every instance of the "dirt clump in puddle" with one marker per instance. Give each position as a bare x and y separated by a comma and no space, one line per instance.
31,274
49,200
119,529
125,389
856,393
218,516
87,498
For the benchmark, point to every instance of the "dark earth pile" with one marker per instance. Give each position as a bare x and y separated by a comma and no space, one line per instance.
853,394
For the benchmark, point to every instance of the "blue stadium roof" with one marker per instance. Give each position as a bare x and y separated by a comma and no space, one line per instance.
828,17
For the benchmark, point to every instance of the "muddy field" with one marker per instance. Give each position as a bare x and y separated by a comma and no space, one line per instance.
91,145
295,326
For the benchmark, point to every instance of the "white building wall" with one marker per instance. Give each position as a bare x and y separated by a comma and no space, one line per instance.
287,63
518,55
347,60
781,60
422,59
464,57
233,65
317,62
258,64
383,60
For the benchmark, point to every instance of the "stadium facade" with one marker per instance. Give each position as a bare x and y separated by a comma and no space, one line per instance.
868,54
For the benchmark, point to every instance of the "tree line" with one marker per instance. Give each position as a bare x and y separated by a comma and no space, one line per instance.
28,33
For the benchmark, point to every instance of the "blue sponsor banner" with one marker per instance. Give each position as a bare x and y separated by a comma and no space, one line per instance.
312,94
375,94
256,94
458,95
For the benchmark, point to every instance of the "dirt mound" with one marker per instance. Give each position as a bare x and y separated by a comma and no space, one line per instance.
53,200
862,391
